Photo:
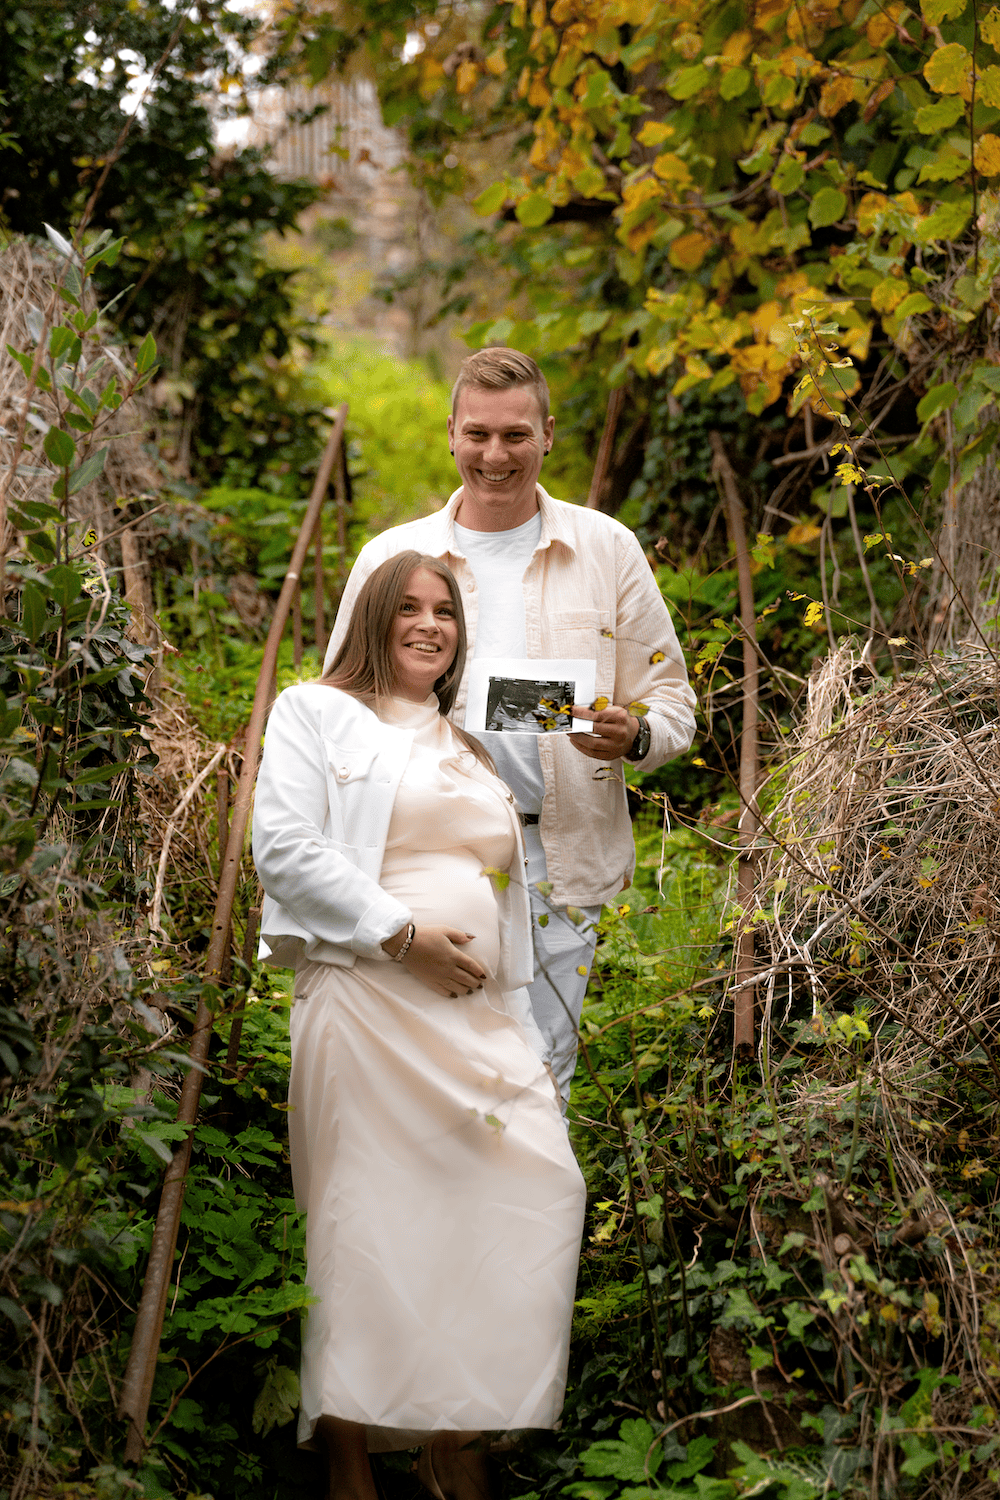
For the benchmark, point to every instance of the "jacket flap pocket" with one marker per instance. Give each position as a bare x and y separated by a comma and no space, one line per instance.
349,763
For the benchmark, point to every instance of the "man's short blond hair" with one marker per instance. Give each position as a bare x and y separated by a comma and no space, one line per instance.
500,369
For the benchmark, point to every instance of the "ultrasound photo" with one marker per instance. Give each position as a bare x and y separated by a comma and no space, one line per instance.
518,705
529,695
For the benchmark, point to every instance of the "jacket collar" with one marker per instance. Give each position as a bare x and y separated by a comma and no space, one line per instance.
555,527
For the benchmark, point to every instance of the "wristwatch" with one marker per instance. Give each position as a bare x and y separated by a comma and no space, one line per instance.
639,748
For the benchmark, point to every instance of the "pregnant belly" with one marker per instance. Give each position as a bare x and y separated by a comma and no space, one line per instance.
448,889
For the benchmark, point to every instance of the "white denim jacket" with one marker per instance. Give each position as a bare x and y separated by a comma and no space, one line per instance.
588,592
325,793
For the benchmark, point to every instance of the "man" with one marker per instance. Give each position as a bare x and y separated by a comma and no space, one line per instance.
545,579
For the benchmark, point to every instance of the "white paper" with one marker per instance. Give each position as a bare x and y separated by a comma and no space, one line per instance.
515,695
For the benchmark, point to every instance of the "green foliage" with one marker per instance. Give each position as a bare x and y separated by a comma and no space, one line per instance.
190,269
397,423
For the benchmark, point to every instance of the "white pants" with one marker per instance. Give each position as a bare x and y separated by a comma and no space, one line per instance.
562,950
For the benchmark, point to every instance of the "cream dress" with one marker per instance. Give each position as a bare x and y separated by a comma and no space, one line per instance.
444,1204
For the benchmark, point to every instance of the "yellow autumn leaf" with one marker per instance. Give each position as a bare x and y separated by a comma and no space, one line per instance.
936,11
538,93
496,63
465,76
835,93
736,46
814,613
688,252
988,87
656,657
987,154
948,70
599,704
670,167
989,28
654,133
871,205
500,878
639,709
888,294
802,534
883,24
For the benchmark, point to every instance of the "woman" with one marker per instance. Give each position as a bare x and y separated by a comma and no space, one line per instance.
444,1206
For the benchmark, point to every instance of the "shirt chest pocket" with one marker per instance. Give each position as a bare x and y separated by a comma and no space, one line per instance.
586,634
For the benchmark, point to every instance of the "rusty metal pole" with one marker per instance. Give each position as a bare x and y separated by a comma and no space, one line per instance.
746,878
138,1383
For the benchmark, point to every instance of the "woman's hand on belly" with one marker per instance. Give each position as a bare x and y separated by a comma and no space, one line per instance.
435,957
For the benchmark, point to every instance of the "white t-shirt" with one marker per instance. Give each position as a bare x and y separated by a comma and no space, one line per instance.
498,560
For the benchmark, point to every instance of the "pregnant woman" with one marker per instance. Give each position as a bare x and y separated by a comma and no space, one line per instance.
444,1205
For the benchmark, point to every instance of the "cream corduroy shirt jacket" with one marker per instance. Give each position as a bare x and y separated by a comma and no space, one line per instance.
588,592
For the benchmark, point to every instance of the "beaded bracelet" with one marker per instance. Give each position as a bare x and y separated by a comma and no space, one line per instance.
401,953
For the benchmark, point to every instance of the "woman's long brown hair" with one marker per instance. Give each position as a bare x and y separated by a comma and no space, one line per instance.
363,665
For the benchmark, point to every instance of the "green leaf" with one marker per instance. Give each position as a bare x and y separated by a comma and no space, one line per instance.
42,512
490,199
159,1148
591,322
24,360
916,302
277,1399
734,83
945,223
59,447
65,585
146,358
689,81
789,175
100,773
534,210
625,1457
60,340
936,11
33,611
989,376
697,1456
88,470
827,207
941,115
937,399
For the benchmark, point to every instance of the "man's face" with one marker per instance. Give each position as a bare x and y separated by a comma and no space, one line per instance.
499,441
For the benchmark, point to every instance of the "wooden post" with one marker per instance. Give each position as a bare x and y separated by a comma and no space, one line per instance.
319,590
138,1383
297,624
606,446
746,881
340,491
222,811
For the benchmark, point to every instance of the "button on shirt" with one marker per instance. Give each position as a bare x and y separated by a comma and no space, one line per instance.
498,560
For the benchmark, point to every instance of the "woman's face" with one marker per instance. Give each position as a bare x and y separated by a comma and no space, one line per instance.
424,635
